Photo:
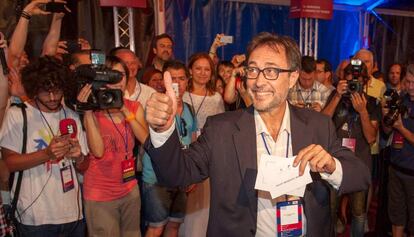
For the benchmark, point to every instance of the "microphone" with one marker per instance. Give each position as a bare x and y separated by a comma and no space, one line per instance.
68,126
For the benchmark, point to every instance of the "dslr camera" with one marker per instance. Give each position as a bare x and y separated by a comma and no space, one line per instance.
395,104
354,85
98,75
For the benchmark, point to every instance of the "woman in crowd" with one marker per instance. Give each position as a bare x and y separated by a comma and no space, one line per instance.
153,78
205,102
112,201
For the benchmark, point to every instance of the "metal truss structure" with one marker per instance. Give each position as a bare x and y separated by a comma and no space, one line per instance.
308,37
124,27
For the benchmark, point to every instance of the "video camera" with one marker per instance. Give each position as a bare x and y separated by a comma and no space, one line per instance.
354,85
396,106
98,75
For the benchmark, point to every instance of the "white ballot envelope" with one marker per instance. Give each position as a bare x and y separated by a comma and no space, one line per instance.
278,176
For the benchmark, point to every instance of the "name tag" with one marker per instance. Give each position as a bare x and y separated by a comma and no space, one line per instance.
289,218
66,176
128,170
397,140
349,143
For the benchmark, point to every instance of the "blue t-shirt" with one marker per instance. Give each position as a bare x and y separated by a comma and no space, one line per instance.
404,157
185,125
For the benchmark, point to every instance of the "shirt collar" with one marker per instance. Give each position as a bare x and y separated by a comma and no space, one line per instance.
261,126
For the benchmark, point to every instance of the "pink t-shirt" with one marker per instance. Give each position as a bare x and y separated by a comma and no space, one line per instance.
103,178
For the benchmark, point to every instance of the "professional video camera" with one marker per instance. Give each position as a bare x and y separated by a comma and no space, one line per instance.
354,85
98,75
395,104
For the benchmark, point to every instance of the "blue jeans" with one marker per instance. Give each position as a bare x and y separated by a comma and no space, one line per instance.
72,229
358,207
162,204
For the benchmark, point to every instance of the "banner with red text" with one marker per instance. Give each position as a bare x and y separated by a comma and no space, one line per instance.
124,3
320,9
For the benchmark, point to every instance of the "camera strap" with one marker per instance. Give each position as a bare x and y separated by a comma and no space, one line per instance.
12,216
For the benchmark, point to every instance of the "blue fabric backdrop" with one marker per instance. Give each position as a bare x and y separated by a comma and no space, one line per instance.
194,23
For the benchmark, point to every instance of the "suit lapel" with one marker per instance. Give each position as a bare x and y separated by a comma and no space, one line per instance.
299,130
245,145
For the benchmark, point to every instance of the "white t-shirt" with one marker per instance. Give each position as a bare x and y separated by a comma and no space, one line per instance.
41,199
141,93
204,106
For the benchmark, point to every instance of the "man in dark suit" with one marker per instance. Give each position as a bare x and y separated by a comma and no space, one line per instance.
230,148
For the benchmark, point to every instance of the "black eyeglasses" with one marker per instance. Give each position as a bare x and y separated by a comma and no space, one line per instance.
270,73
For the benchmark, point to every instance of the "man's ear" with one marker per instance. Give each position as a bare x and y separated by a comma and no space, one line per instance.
293,77
154,50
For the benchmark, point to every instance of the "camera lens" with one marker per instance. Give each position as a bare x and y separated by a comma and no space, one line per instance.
107,98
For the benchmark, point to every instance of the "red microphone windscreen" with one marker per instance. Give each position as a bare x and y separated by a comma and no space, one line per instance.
68,126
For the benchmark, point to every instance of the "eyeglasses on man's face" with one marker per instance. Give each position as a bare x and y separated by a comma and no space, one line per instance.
270,73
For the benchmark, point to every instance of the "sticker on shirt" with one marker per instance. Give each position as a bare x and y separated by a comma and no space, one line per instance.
128,170
345,127
66,176
349,143
397,140
289,218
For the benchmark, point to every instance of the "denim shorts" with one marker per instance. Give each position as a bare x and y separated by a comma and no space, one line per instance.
161,204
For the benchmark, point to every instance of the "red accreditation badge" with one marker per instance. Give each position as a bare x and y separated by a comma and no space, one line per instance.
397,140
349,143
66,176
128,170
289,218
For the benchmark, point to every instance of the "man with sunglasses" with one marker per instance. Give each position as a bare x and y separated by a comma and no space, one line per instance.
164,207
232,145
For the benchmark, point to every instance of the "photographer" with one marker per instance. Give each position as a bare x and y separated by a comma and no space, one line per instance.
356,116
49,203
401,172
111,196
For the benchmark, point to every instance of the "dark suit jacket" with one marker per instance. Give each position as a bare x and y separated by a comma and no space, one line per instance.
226,152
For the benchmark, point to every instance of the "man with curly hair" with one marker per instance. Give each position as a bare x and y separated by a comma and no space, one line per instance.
49,203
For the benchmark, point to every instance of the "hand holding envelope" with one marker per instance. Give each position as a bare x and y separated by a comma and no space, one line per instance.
278,176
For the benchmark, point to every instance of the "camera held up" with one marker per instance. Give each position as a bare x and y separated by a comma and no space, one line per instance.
395,104
98,75
354,85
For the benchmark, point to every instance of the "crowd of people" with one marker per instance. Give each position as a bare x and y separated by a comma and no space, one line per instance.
173,149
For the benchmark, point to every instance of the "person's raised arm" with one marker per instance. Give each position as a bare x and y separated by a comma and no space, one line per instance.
335,98
4,94
93,134
19,37
369,128
137,122
215,45
50,44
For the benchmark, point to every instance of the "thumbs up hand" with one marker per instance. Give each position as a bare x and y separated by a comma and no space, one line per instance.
161,108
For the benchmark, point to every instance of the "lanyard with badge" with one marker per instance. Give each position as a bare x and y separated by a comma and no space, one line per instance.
66,173
349,142
288,213
128,164
305,101
198,132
